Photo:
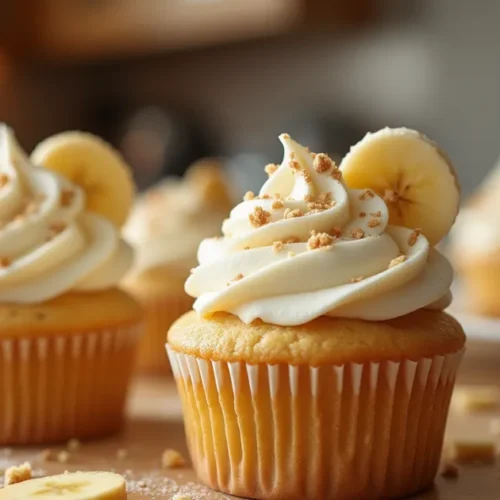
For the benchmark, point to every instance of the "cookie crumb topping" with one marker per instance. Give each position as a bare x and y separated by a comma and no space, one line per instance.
270,168
259,217
17,474
414,237
278,246
396,261
322,163
277,204
373,223
357,233
249,195
319,240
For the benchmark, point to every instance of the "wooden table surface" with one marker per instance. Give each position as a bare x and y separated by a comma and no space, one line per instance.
155,424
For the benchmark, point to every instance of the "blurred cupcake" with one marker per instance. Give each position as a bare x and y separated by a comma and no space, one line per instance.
166,227
318,362
475,248
67,334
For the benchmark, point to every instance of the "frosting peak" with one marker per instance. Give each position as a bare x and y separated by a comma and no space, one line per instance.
308,246
49,243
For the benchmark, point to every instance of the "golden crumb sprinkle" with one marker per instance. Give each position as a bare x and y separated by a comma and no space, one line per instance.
325,197
238,277
319,240
378,213
449,471
336,232
313,155
336,173
396,261
47,455
270,168
390,196
63,457
5,262
291,254
67,196
309,198
307,176
373,223
322,163
285,136
17,474
278,246
292,214
277,196
249,195
294,165
366,194
277,204
259,217
362,214
73,445
358,279
171,459
414,237
4,180
357,233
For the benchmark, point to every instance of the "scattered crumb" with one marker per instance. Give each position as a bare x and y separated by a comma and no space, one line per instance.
336,232
478,398
238,277
397,260
270,168
5,262
277,204
172,459
322,163
63,457
57,227
264,197
357,233
362,214
73,445
291,214
449,471
474,451
294,165
67,196
413,237
358,279
309,198
319,240
47,455
378,213
259,217
17,474
366,194
291,254
4,180
336,173
325,197
278,246
249,195
285,136
373,223
121,454
390,196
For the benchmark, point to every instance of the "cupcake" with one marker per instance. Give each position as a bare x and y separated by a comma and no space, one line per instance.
475,248
166,227
318,361
67,333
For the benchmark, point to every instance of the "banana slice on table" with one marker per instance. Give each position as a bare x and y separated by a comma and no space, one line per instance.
95,166
71,486
408,170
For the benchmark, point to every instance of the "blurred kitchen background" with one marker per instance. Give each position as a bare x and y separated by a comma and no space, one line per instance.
169,81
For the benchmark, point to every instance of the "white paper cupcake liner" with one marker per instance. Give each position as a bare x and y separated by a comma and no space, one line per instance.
298,432
62,386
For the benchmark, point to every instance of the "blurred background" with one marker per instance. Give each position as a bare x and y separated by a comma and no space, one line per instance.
169,81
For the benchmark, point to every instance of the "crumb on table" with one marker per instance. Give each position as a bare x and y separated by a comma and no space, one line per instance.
172,459
449,471
73,445
17,474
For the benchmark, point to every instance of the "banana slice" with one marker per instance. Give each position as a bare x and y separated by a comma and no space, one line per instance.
73,486
416,179
94,165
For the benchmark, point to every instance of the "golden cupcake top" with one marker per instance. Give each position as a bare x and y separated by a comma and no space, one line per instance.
170,219
354,241
59,222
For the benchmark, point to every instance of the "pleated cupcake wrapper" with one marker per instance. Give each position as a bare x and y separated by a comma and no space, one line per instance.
298,432
62,386
159,313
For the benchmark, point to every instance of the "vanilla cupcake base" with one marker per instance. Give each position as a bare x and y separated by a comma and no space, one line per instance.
281,431
64,386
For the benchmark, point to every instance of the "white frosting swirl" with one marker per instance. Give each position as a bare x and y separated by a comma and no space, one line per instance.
352,277
49,243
